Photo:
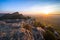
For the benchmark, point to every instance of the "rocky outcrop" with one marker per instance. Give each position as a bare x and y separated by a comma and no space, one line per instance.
37,34
15,32
14,15
20,29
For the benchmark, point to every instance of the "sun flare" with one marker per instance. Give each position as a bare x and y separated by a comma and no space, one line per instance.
42,10
46,12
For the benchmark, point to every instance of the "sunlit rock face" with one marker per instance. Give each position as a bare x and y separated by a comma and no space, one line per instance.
11,31
37,34
25,34
16,34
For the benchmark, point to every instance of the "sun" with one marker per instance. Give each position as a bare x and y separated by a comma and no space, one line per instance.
42,10
46,12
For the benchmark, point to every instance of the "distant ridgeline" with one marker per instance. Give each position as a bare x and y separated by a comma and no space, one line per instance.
14,15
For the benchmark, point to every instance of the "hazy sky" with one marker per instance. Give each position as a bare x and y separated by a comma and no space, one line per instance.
29,5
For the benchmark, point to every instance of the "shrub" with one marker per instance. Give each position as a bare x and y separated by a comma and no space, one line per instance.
50,29
38,24
49,35
28,27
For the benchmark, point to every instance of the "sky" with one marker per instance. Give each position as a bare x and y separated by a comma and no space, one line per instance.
30,6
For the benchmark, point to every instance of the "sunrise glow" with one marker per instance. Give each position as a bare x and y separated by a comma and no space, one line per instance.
30,7
47,11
